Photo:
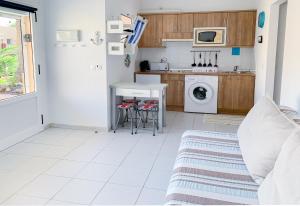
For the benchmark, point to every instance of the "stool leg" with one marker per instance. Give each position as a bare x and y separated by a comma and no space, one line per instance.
157,119
131,123
118,120
154,126
139,122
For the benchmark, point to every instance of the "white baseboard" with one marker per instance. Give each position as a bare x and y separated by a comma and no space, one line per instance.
19,137
64,126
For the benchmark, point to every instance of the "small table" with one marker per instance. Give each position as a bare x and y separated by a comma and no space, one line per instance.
151,91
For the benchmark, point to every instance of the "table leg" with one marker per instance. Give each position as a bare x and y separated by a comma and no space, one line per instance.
164,108
161,112
113,108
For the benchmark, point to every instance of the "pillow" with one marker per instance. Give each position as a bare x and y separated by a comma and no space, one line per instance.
282,185
261,136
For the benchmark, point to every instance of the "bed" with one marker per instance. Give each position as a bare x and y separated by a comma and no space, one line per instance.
210,170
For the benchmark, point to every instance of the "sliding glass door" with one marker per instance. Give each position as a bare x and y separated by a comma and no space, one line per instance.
17,72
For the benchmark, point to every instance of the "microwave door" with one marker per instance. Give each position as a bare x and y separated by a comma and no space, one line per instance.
207,36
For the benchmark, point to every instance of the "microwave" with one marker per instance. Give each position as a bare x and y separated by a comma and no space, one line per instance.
210,36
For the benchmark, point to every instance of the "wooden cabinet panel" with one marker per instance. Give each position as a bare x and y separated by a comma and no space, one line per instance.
152,37
201,20
170,23
214,19
185,23
243,97
241,28
217,19
236,94
177,35
175,91
225,97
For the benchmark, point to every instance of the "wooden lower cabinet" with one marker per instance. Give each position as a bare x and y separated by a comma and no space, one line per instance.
175,91
236,94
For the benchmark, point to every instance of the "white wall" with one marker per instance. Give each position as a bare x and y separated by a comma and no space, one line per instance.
261,51
199,5
179,56
21,119
77,92
290,93
115,64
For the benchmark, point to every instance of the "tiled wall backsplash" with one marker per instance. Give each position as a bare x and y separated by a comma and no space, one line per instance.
179,56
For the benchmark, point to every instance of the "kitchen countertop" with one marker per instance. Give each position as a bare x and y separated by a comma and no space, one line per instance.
187,72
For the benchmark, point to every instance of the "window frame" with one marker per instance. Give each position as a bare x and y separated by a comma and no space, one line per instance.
22,97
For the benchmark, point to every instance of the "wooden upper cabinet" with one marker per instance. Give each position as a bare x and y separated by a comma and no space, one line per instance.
178,26
152,37
240,25
241,28
214,19
185,23
201,20
217,19
170,23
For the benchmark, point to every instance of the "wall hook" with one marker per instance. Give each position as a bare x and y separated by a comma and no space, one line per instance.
97,40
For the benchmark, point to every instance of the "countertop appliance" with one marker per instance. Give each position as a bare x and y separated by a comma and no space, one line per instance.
210,36
201,94
159,66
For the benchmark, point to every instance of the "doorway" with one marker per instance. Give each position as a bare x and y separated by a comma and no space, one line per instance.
280,52
276,43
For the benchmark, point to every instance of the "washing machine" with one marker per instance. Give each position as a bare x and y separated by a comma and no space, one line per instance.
201,94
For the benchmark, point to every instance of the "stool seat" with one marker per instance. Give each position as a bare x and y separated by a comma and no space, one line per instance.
132,101
147,107
151,102
125,106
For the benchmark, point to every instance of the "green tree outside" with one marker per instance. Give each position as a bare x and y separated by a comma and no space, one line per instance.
9,64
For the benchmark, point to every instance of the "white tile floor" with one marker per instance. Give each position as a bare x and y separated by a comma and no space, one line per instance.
65,167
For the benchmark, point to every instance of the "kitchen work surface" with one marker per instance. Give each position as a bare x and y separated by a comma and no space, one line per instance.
151,91
72,167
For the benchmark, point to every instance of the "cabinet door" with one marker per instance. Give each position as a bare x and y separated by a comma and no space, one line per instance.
175,91
152,37
243,95
225,97
170,23
217,19
201,20
214,19
241,28
246,28
185,23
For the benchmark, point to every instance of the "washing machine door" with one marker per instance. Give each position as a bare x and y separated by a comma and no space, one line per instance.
201,93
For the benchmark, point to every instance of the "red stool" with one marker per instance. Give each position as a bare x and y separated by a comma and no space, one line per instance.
135,102
127,107
153,109
151,101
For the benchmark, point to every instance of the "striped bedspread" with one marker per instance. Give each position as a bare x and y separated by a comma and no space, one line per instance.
209,170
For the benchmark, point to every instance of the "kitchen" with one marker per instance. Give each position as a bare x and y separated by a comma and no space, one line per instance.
227,67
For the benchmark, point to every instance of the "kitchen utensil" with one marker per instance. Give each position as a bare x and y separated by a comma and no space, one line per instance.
194,64
209,64
200,63
216,60
204,64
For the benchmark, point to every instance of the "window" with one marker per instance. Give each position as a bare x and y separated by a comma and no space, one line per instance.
17,76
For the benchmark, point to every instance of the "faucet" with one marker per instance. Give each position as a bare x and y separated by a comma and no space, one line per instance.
236,68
